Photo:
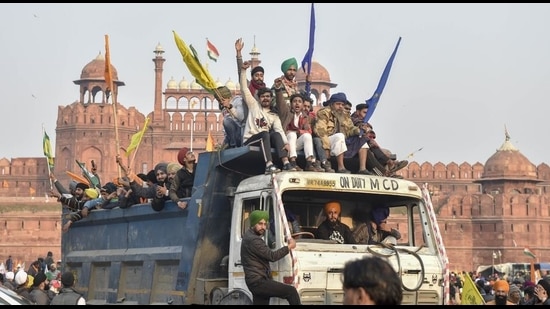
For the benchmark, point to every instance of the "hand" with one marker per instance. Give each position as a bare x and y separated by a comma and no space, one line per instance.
291,243
278,83
246,65
239,46
541,294
286,147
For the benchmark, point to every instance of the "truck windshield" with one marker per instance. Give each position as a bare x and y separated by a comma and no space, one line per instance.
305,211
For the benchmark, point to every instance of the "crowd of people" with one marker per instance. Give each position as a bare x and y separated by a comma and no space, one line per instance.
281,118
43,283
502,290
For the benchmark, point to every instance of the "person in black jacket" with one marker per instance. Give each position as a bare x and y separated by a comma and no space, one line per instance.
332,228
255,257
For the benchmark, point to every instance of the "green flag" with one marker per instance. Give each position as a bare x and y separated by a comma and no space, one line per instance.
46,144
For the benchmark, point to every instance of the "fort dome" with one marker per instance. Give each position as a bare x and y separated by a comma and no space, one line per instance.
95,69
509,162
318,73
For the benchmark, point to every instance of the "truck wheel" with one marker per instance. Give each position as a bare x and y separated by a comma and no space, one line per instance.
216,296
235,297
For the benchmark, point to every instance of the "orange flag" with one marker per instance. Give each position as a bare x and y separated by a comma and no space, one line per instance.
209,142
108,72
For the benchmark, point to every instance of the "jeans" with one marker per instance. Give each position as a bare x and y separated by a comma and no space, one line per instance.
233,133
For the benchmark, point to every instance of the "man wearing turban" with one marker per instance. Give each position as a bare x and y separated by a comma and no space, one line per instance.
256,256
289,67
501,288
332,228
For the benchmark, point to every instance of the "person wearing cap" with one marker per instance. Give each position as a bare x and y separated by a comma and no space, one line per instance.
320,155
150,191
332,228
514,295
542,290
72,201
255,258
333,127
21,281
68,295
501,289
263,126
9,280
163,192
182,185
38,293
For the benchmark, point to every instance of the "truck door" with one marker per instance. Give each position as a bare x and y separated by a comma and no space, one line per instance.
243,205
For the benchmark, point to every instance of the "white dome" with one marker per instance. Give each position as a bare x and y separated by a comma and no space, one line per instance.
172,84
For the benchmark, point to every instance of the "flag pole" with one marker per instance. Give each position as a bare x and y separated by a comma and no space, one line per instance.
110,84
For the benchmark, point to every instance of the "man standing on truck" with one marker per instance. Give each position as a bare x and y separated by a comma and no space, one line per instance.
256,255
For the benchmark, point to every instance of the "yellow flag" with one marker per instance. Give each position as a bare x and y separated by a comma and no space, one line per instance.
209,142
136,138
108,72
32,191
48,150
202,76
470,293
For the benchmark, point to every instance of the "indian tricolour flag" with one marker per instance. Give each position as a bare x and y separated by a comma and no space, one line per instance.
212,51
528,252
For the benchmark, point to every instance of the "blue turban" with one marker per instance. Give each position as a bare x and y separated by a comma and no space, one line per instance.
380,214
288,63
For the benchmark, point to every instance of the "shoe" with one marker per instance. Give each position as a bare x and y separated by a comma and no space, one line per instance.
397,165
288,167
344,171
295,165
317,166
314,167
310,167
365,172
271,169
327,167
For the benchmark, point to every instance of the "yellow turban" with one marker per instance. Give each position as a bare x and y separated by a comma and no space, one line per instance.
501,285
288,63
91,193
173,167
332,205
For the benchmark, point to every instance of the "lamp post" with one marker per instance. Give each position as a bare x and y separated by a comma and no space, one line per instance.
494,257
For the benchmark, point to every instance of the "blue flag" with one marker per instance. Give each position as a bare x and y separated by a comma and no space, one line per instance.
373,101
309,53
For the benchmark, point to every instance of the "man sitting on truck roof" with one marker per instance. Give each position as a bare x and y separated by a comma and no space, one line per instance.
332,228
263,126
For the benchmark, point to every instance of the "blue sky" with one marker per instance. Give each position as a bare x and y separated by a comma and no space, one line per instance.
462,72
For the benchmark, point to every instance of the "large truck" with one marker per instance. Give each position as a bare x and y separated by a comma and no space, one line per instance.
192,256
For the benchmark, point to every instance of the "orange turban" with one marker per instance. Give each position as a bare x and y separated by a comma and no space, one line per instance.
332,205
501,285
